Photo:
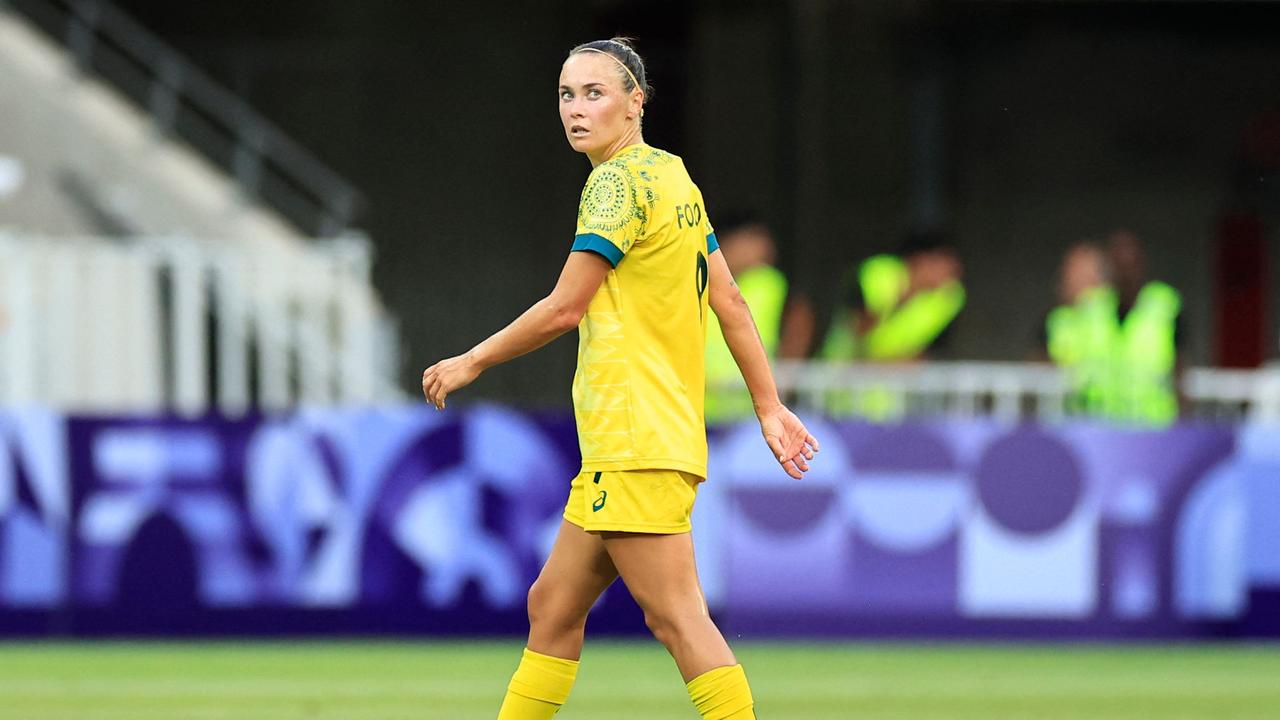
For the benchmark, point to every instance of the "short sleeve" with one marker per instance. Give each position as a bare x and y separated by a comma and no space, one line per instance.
611,217
712,243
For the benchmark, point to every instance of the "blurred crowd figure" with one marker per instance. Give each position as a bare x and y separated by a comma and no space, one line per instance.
1116,334
892,308
895,307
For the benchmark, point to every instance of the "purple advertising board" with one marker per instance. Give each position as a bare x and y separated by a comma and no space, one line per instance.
403,520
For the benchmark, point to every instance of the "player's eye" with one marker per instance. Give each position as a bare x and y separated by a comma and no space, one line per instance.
566,95
593,93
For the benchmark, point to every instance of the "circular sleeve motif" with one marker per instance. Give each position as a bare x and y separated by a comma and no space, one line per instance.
608,201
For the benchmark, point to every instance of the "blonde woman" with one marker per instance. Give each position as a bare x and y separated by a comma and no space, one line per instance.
642,272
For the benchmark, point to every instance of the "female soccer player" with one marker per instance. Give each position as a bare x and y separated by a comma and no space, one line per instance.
637,284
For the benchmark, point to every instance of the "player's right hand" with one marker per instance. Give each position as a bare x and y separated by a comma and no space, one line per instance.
792,445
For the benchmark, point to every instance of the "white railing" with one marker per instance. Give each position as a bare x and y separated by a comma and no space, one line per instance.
190,326
175,324
1011,391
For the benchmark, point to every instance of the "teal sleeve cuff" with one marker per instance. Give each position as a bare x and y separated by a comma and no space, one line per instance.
591,242
712,244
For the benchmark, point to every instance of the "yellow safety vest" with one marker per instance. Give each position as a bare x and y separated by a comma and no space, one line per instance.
1082,340
905,329
1122,371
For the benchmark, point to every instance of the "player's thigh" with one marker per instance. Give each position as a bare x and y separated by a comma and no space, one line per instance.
659,570
577,571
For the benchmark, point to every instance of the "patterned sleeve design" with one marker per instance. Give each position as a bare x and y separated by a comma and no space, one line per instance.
613,213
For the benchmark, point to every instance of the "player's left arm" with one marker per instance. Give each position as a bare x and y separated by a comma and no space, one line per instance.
784,433
546,320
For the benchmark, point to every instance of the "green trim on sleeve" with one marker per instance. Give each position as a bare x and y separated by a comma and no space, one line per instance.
591,242
712,244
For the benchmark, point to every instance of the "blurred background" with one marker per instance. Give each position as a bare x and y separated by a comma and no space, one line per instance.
1016,262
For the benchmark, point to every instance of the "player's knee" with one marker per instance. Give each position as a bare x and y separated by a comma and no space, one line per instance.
540,602
547,609
669,625
659,626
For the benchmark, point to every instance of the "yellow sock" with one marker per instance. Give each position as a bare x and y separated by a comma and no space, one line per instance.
722,694
538,688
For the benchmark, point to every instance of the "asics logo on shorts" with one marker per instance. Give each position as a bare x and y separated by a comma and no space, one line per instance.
599,503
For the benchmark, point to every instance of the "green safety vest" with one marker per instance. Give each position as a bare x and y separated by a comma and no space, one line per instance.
882,279
1122,371
1082,338
905,329
765,289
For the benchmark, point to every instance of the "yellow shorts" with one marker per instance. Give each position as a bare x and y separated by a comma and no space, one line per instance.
645,501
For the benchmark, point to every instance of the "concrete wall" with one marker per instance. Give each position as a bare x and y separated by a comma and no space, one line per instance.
1067,133
1056,128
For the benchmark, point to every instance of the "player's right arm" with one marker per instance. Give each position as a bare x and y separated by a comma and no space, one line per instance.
546,320
785,434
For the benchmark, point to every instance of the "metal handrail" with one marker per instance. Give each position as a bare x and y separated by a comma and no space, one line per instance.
88,27
1010,390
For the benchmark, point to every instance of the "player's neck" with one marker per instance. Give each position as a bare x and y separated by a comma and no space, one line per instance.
626,141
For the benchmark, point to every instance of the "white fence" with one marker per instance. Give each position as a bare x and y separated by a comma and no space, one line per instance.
1010,391
174,324
191,326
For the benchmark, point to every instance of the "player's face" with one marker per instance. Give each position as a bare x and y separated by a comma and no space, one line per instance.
597,113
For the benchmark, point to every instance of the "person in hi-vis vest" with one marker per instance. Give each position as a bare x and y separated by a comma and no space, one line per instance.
750,253
1149,313
1118,342
893,309
1079,334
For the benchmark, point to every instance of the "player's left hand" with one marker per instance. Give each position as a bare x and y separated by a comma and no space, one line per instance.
790,441
446,376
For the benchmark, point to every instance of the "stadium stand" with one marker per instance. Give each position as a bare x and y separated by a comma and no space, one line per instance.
138,275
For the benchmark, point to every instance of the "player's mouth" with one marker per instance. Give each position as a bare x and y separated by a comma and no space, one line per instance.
578,131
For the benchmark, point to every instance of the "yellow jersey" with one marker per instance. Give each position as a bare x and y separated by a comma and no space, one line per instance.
638,390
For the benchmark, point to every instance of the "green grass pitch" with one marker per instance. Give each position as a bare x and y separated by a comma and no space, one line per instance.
323,680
